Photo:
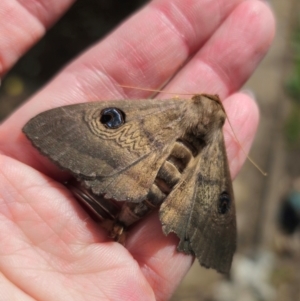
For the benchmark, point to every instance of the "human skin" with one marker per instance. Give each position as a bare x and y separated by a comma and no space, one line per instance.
50,248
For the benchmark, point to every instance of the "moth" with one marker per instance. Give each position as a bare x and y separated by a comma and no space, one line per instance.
150,153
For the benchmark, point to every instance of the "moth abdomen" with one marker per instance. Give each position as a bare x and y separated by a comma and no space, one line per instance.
167,177
171,171
180,155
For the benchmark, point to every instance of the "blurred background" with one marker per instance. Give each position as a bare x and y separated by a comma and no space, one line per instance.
267,263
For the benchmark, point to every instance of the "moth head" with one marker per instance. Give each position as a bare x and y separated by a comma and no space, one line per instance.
112,118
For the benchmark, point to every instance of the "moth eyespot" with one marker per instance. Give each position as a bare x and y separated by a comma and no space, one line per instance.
224,203
112,117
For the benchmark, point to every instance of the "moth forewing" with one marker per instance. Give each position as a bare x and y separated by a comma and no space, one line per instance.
150,152
200,209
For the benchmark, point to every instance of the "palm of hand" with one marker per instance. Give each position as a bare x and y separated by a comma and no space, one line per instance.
50,249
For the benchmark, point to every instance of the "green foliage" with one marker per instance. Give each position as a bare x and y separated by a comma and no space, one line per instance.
293,86
292,125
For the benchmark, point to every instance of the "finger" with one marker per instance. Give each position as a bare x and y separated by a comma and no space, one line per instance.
156,253
47,239
18,35
168,32
232,53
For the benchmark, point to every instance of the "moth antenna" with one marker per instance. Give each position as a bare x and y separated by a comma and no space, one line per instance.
243,150
155,90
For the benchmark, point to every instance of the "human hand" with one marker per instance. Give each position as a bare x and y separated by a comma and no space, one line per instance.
50,248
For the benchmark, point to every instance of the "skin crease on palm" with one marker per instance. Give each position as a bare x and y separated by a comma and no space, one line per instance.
50,248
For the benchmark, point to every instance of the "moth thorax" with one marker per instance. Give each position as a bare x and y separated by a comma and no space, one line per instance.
204,115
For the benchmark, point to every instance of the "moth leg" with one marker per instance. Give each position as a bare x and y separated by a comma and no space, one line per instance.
117,232
129,214
100,209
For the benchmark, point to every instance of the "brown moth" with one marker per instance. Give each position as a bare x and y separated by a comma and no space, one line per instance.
150,153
